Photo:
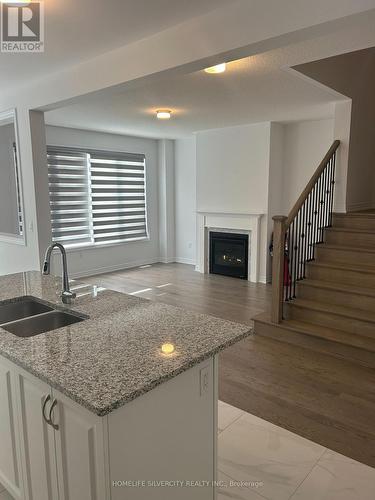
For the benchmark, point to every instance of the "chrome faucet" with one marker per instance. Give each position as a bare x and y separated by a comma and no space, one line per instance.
66,295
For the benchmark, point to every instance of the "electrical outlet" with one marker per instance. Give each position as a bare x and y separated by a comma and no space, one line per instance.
204,380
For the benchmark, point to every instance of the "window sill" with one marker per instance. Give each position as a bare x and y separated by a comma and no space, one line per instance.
97,246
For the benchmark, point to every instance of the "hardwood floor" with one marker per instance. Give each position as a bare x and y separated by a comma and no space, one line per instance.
180,285
325,399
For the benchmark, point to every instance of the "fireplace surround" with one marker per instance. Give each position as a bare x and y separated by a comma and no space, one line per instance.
229,222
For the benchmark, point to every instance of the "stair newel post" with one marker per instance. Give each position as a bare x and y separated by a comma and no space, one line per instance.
278,263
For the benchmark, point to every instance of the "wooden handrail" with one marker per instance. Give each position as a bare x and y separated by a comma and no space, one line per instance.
309,186
281,226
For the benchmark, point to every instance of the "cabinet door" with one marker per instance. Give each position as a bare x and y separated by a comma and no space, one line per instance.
79,451
37,439
10,472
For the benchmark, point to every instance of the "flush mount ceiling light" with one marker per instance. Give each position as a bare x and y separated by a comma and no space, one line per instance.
219,68
163,114
16,2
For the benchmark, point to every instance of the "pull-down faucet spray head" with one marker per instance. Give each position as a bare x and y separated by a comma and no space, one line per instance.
66,295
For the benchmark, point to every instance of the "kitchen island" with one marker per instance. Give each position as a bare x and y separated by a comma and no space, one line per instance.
119,405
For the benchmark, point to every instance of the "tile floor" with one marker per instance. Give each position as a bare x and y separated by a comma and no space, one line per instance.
4,495
258,460
275,464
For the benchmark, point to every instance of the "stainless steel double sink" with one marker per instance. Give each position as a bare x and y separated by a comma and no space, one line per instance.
29,316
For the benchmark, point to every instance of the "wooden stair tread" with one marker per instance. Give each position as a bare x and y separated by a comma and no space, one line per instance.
332,334
362,215
348,230
343,266
322,332
349,248
340,287
344,311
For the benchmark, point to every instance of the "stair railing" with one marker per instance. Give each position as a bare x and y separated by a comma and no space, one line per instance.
295,236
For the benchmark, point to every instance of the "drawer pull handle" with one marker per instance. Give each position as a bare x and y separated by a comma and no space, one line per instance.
46,399
55,426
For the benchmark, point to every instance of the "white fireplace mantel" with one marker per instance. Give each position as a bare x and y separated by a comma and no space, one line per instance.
240,222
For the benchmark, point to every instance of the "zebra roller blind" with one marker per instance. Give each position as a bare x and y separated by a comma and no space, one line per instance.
96,197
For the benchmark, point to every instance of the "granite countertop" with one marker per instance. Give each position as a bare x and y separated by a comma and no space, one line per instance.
115,355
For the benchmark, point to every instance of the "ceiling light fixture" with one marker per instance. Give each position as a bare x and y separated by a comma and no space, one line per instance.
219,68
163,114
15,2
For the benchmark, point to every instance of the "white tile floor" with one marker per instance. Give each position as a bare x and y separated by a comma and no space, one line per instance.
4,495
276,464
258,460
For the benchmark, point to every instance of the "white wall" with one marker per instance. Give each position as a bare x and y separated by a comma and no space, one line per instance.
167,244
185,200
232,174
232,168
342,125
102,259
305,145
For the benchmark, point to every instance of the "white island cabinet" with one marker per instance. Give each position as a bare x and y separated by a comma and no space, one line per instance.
160,446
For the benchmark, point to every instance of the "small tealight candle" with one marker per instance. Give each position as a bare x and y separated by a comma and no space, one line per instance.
167,348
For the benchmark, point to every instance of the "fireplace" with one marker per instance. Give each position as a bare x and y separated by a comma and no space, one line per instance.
229,254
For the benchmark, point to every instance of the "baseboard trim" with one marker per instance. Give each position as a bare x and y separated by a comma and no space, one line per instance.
182,260
109,269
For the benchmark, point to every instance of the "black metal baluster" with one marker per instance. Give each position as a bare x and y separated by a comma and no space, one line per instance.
307,227
330,197
324,208
303,242
327,193
332,185
320,207
326,196
316,212
286,266
299,243
295,248
311,248
290,243
291,259
323,204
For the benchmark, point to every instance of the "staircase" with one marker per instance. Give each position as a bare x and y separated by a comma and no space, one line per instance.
332,308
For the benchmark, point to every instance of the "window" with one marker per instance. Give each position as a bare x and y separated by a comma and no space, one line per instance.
19,202
96,197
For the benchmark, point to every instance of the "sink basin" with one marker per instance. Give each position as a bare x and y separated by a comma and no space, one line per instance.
28,316
21,308
40,324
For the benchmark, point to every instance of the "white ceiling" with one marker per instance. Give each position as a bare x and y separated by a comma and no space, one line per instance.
253,89
78,30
